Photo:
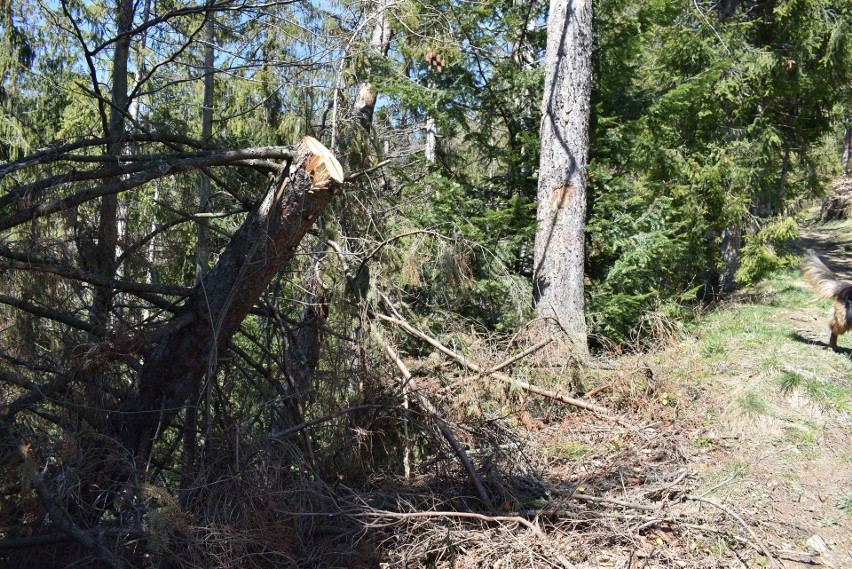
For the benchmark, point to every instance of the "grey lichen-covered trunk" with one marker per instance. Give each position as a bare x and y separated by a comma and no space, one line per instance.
559,250
431,146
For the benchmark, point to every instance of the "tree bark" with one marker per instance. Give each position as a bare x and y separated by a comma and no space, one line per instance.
731,241
301,360
261,247
365,102
847,147
202,261
431,149
202,257
559,243
107,235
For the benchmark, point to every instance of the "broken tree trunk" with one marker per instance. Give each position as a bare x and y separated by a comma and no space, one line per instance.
365,102
266,241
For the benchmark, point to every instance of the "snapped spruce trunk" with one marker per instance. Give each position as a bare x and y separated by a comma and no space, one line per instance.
262,246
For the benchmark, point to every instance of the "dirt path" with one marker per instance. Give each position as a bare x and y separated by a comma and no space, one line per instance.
742,445
784,403
833,243
754,416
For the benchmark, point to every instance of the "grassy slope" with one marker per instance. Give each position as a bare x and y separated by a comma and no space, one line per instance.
772,412
736,431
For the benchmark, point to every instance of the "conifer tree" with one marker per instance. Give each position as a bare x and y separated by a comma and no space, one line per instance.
560,238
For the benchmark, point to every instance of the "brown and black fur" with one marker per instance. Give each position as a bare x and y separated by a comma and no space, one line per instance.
827,285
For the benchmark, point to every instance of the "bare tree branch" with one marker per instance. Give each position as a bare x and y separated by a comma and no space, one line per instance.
59,151
57,514
16,262
54,315
123,166
159,169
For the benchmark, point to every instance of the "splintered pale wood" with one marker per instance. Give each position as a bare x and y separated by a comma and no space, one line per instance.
321,165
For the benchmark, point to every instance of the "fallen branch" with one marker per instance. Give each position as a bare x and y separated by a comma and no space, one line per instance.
442,424
597,390
614,501
754,536
408,515
496,374
41,540
519,356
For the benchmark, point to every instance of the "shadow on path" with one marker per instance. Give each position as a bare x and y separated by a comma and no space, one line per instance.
833,246
799,336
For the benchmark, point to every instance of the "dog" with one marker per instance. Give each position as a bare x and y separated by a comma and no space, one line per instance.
827,285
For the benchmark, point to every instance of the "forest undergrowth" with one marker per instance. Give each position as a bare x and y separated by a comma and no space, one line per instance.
727,445
284,284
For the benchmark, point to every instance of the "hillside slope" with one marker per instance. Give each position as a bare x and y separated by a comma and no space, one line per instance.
727,446
770,407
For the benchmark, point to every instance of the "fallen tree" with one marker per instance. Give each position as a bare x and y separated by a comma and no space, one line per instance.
265,243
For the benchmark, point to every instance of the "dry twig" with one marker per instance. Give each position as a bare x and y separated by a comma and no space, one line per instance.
442,424
498,375
447,514
739,520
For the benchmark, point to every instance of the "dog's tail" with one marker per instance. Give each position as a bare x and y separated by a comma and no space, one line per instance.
821,277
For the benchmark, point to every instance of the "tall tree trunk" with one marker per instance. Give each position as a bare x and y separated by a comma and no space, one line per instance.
139,74
559,243
202,259
847,147
365,102
264,244
105,250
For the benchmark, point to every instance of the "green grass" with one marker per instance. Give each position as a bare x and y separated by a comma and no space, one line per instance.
803,439
571,450
829,394
845,503
703,442
753,403
757,335
844,224
712,346
790,381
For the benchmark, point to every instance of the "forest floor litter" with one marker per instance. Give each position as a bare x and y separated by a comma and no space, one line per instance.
732,449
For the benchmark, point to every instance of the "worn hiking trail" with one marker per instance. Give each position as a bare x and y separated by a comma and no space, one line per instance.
777,405
833,243
743,453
